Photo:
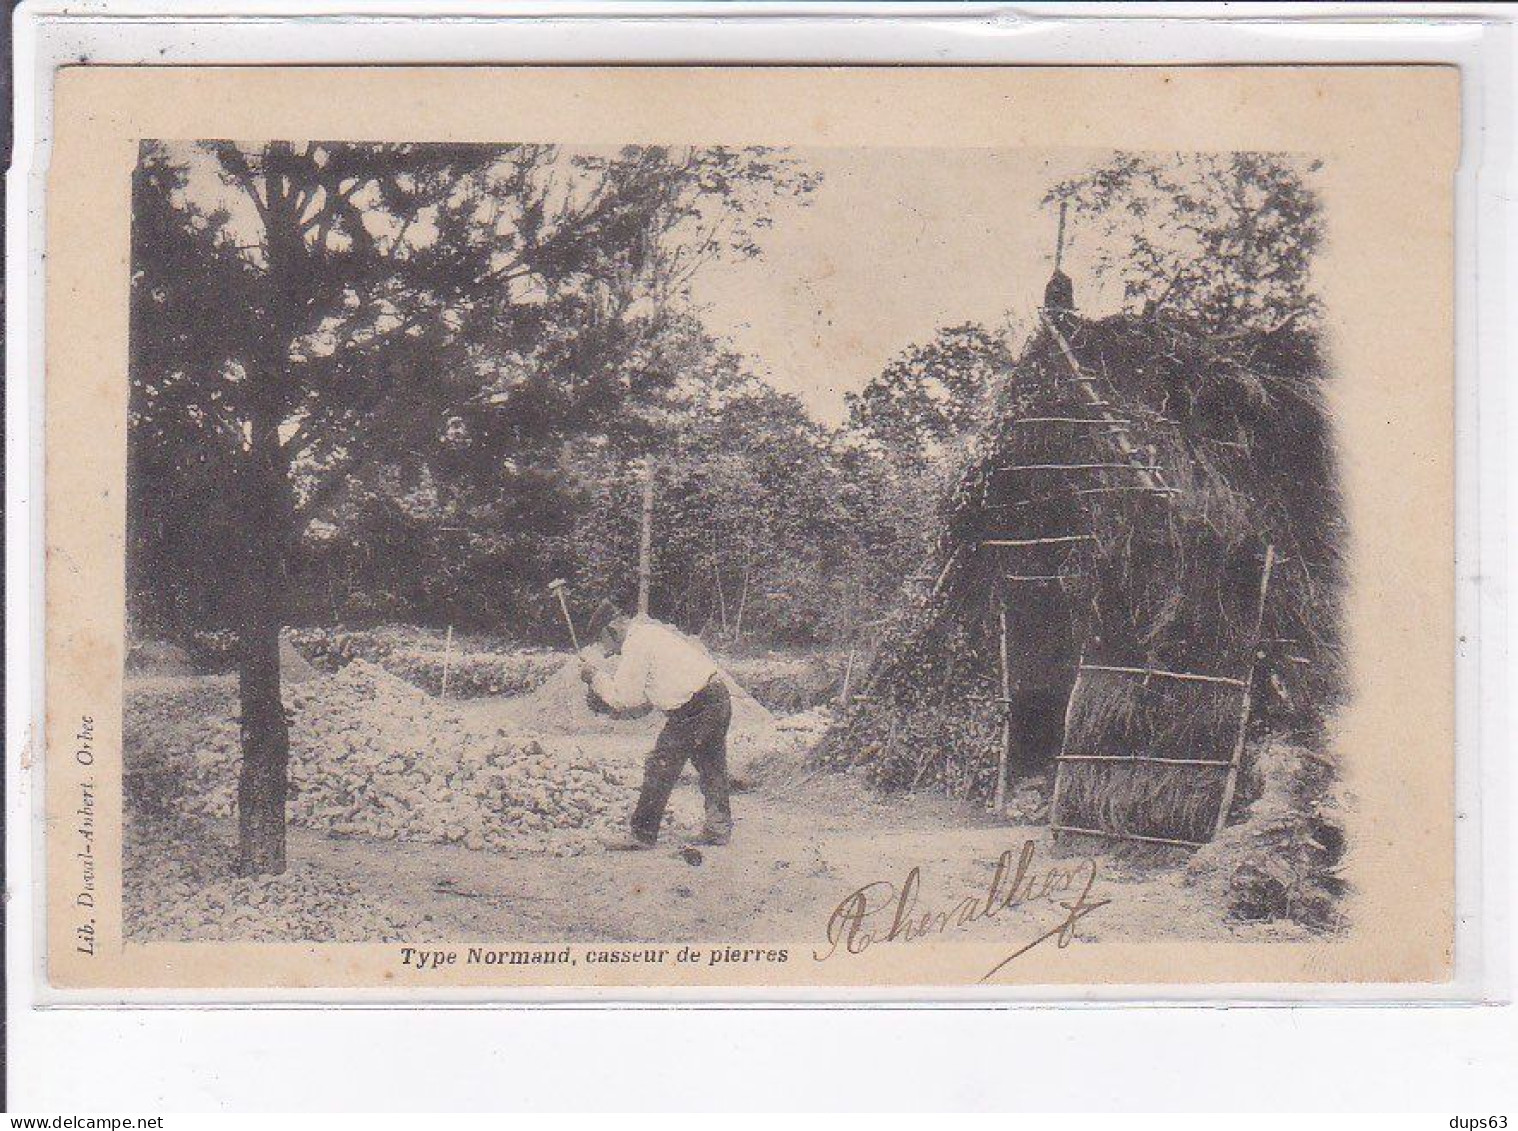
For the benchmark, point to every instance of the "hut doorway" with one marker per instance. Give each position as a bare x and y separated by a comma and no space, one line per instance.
1038,662
1036,723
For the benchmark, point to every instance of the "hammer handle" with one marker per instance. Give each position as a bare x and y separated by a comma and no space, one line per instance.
568,620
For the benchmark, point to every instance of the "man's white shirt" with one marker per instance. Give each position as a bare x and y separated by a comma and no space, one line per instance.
659,666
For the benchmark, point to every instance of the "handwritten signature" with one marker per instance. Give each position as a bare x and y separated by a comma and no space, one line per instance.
858,922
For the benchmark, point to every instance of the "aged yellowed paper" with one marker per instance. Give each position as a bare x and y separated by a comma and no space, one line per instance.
762,527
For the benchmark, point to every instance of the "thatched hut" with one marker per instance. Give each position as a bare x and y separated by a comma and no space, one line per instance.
1137,577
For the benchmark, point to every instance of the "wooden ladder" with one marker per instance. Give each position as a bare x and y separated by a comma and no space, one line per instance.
1151,477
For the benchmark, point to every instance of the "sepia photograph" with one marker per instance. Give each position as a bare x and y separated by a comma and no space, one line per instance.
838,553
531,543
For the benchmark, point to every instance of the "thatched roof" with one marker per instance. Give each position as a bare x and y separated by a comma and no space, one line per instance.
1118,504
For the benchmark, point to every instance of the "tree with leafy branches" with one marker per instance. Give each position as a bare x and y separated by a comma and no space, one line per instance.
932,395
1226,239
345,311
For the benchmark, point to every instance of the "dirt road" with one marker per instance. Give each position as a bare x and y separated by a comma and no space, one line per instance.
798,851
803,845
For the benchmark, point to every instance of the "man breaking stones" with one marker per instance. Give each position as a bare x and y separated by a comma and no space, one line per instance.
659,666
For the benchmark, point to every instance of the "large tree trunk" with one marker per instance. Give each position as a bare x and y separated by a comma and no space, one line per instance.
265,745
269,524
262,787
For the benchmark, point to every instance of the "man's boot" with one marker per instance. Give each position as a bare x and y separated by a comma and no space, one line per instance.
625,842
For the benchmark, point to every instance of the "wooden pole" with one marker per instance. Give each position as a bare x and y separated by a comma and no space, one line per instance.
447,655
943,574
742,599
1006,716
1230,783
646,538
1064,747
1161,672
717,579
1062,540
1097,421
1057,829
848,676
1140,467
1059,242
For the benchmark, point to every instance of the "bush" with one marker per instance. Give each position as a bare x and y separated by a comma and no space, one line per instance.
476,667
214,651
158,658
473,675
332,649
1282,860
787,684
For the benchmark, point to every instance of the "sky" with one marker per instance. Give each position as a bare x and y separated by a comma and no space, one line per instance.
893,244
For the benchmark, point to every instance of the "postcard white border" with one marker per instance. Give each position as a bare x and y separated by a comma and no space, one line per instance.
1476,38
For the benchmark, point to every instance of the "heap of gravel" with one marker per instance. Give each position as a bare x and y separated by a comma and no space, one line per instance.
560,706
178,886
372,755
1284,860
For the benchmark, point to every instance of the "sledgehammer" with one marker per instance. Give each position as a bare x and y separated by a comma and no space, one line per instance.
557,587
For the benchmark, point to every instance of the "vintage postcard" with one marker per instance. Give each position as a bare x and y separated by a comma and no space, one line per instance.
567,528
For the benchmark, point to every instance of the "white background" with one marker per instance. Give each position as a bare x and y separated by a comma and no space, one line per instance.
1447,1059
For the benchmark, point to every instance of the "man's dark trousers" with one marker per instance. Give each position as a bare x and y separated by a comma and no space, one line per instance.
696,731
